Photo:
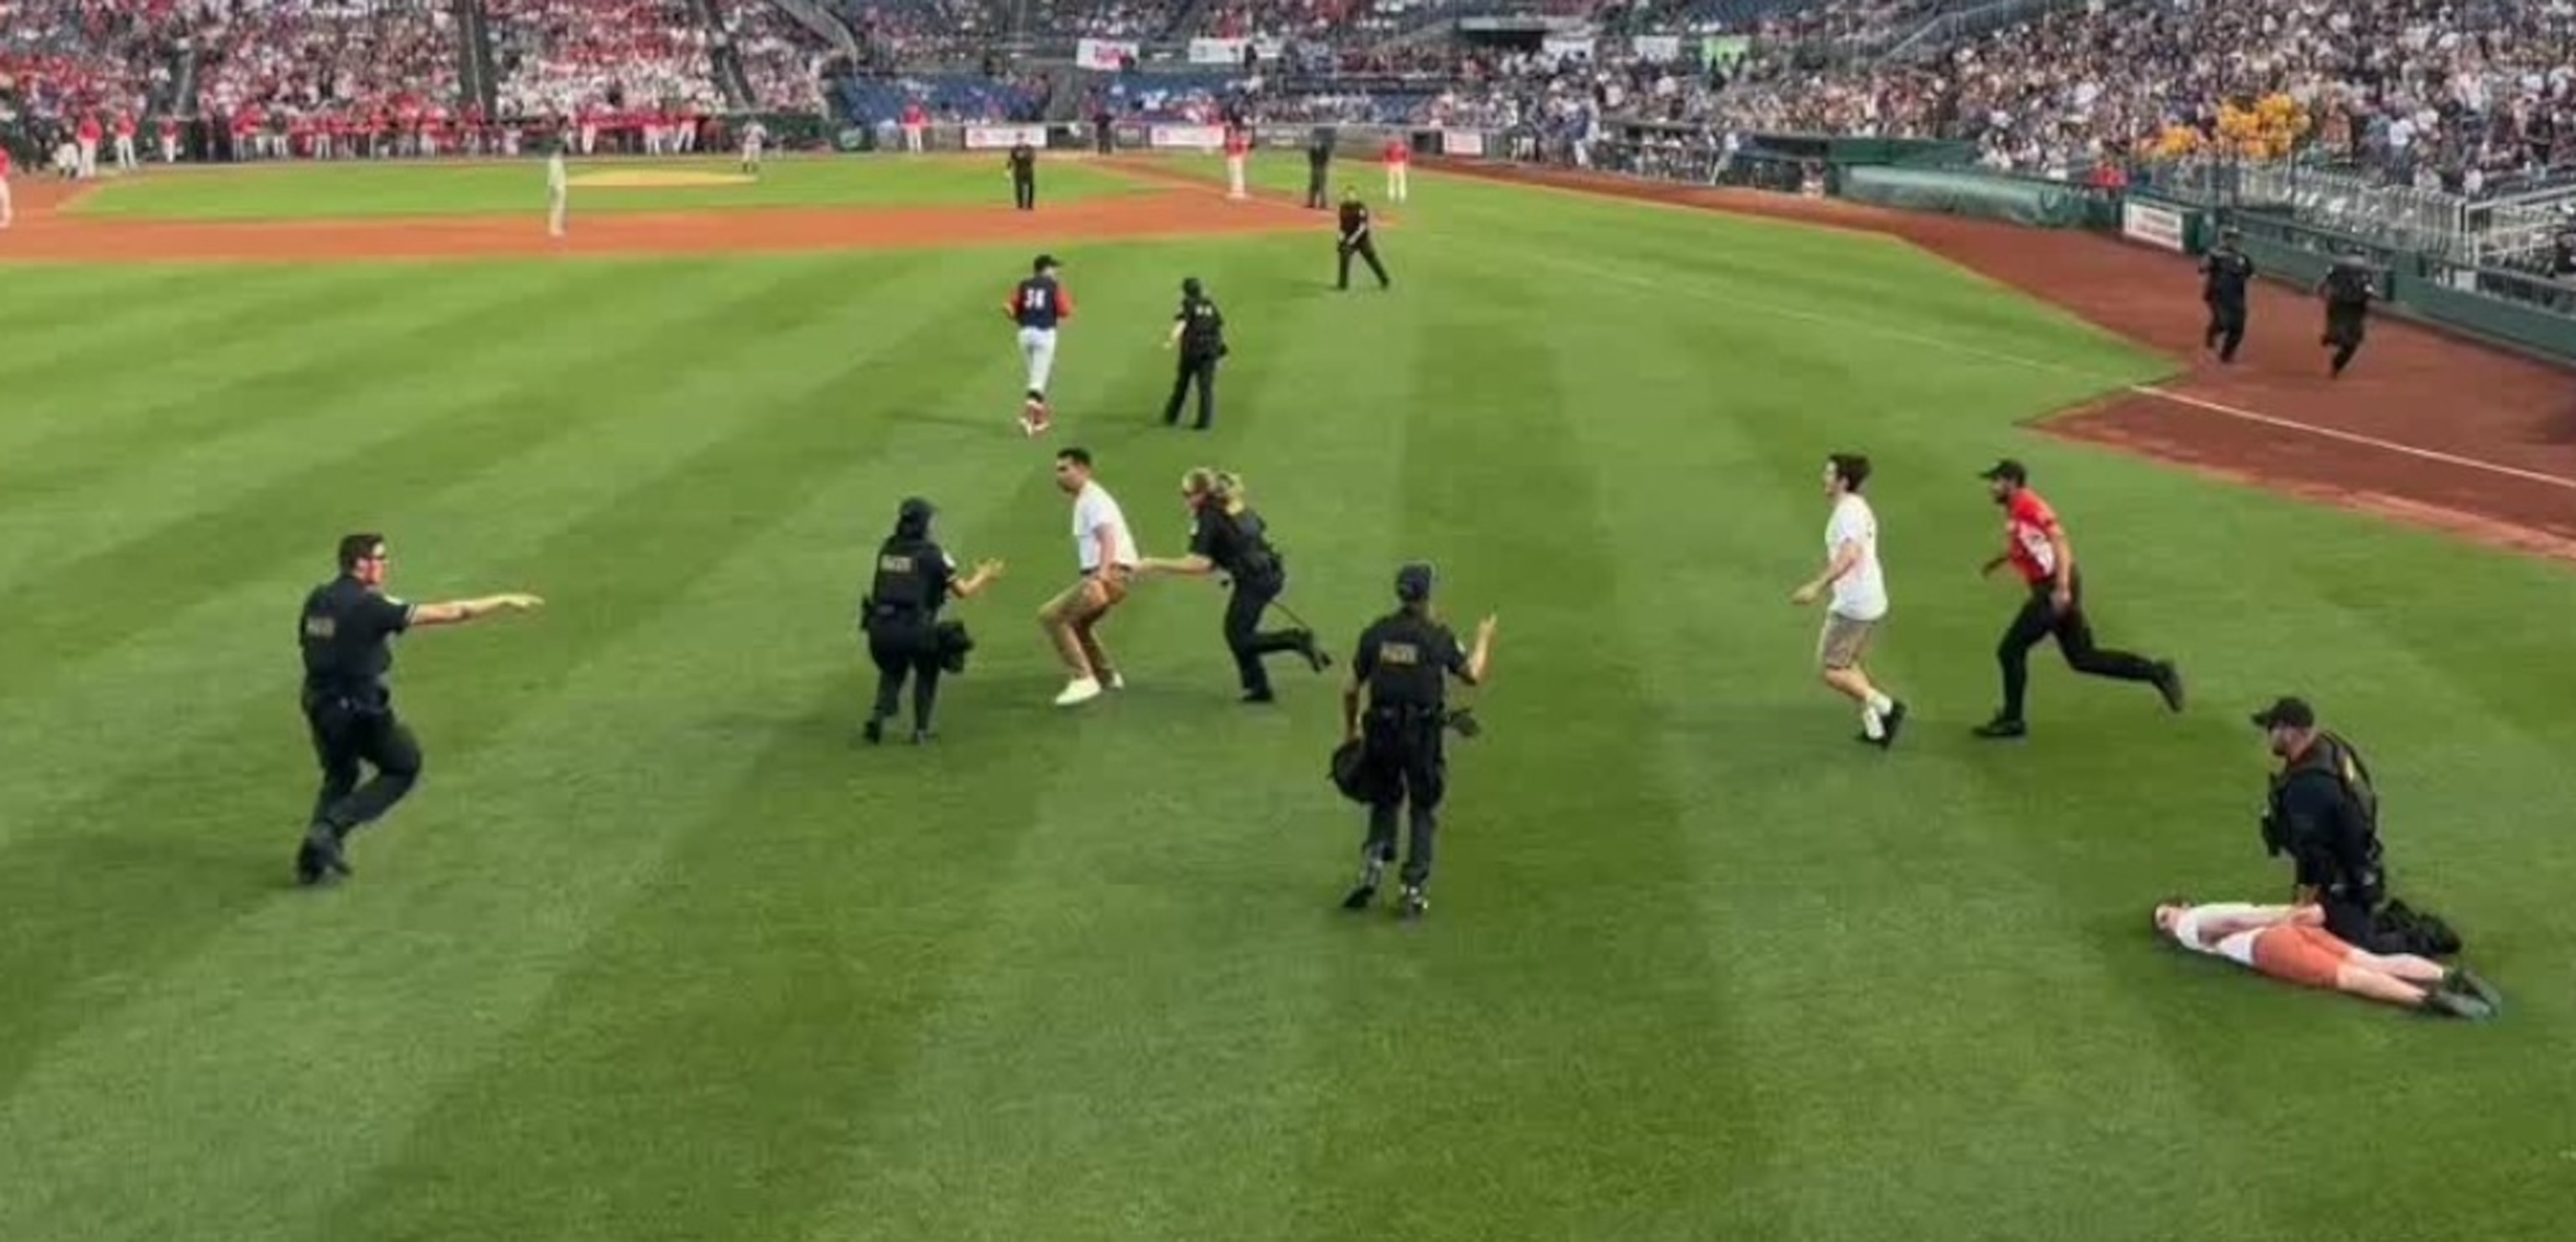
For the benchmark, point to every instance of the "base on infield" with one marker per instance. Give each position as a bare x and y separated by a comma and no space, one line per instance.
649,179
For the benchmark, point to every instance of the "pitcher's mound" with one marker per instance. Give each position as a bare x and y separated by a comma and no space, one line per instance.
647,179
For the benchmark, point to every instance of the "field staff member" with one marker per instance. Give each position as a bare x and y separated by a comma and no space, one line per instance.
1198,331
1107,552
1038,305
2225,272
1859,588
2037,548
2291,943
1024,176
558,189
1238,148
1227,537
1357,238
1319,164
1396,708
2348,293
347,630
915,577
1399,160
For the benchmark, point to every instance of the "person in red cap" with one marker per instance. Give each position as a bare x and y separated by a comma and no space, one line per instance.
2036,546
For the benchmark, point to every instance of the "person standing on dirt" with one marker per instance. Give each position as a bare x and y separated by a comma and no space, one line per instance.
1319,165
2225,272
1024,176
2348,291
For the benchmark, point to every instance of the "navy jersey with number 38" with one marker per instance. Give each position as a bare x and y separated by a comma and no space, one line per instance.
1039,302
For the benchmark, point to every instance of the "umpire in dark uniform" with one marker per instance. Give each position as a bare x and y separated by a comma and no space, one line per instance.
1227,537
1198,331
1395,709
1357,237
2324,813
2348,290
914,579
347,630
2225,273
1024,176
1319,164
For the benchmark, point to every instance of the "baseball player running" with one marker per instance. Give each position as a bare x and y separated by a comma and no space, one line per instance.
1038,305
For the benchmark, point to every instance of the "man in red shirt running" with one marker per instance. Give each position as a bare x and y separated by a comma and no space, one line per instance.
2036,547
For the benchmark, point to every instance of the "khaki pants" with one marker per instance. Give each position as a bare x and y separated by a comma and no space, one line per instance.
1843,642
1072,620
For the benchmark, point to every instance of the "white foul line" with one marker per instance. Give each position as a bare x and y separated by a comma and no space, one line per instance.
2448,459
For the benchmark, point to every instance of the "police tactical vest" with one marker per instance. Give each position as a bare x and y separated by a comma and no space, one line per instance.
900,587
1254,557
2338,761
1409,671
1199,332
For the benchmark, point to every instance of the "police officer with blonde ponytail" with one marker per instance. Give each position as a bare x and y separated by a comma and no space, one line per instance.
900,615
1227,537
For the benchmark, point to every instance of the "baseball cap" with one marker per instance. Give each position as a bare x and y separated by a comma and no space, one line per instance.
1413,583
1046,261
2286,713
914,508
2007,469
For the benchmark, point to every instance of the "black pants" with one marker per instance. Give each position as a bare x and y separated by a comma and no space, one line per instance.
349,732
2344,330
1197,369
2226,327
1366,249
1315,187
1024,193
2351,921
1408,772
2038,621
904,649
1243,634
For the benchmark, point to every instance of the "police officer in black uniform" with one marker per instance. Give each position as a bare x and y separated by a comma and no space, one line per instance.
2225,272
1357,238
2324,813
1401,669
2348,291
1198,331
914,579
1319,164
347,629
1024,176
1227,537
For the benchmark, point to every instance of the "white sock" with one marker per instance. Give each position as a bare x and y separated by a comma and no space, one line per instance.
1880,704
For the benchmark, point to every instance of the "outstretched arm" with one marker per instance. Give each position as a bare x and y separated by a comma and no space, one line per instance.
457,612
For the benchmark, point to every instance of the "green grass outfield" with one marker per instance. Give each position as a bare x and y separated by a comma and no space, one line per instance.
309,191
658,951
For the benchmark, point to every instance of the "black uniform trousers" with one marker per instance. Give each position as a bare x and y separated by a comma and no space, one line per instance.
1407,771
1199,369
1315,186
2226,326
2354,922
1366,248
1024,193
2039,621
2344,330
348,731
905,645
1243,636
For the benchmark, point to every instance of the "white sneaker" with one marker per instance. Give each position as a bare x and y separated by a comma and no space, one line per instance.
1118,681
1079,690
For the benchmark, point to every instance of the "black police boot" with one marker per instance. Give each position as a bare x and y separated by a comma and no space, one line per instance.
1365,892
2169,684
2002,727
1415,905
1260,694
320,858
1315,657
874,731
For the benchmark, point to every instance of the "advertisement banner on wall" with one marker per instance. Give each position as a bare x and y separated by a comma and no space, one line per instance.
1104,54
2153,225
999,137
1659,48
1187,137
1469,142
1556,47
1230,51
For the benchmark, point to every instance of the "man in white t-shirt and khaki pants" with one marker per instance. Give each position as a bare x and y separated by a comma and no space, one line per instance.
1859,589
1107,551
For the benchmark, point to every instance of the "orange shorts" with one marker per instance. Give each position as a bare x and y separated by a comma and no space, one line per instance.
2307,956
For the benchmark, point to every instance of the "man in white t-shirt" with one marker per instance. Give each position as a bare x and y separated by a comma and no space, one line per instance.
1859,602
1107,551
2291,943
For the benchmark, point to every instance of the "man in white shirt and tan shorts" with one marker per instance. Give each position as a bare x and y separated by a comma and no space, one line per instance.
2291,943
1859,590
1107,551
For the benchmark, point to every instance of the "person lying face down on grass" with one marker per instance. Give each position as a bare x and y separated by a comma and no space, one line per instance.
2291,943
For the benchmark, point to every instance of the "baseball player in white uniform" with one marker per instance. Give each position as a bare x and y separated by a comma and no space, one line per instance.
558,189
754,137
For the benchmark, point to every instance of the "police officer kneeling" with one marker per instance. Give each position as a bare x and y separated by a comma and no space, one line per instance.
900,616
1401,667
2324,813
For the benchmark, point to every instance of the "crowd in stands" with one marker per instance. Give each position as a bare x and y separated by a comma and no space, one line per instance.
307,65
782,61
561,57
62,59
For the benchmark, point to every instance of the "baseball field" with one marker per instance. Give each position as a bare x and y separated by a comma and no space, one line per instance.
659,949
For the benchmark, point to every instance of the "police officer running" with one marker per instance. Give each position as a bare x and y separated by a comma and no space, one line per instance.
2225,273
2348,292
1227,537
1198,330
347,630
2324,813
915,577
1357,239
1401,667
1024,176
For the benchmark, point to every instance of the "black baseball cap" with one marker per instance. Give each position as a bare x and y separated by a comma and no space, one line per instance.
1413,583
1044,262
2286,713
2007,469
914,509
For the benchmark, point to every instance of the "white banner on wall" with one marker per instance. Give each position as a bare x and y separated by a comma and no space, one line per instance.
1000,137
2152,225
1462,142
1556,46
1186,137
1103,53
1230,51
1659,48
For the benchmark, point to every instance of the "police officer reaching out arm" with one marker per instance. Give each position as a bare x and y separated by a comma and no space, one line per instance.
346,631
1227,537
1395,708
915,577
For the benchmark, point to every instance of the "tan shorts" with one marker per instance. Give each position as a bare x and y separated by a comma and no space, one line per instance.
1088,599
1843,641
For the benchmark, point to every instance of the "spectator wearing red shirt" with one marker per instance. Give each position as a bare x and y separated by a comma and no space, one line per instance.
169,140
1399,158
914,121
1238,147
89,134
2036,547
125,161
